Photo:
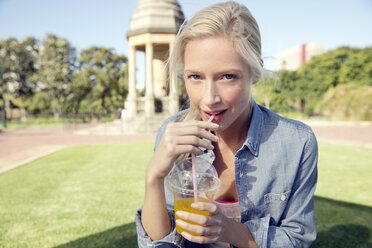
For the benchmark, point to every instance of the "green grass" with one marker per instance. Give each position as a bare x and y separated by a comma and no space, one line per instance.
86,197
343,202
345,173
74,197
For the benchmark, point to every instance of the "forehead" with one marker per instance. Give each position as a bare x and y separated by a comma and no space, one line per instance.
216,51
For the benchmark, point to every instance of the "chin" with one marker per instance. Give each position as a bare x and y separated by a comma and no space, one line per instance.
221,128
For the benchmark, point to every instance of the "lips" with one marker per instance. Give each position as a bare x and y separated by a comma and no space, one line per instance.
217,114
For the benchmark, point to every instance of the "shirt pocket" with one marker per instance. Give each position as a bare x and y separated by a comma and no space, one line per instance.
274,198
275,204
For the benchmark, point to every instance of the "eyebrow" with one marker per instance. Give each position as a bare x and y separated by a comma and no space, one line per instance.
227,71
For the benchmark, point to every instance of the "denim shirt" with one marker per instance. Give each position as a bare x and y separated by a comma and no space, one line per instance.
275,177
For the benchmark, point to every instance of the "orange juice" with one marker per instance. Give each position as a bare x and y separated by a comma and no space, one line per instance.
185,205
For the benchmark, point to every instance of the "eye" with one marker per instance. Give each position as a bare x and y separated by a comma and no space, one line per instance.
229,76
193,77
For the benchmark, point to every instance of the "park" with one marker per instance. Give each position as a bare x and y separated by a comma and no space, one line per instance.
77,134
86,195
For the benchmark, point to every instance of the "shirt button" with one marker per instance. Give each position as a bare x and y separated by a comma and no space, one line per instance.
283,197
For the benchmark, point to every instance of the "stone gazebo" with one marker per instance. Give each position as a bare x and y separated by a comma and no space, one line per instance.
153,30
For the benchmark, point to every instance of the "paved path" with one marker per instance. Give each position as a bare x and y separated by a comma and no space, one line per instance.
21,146
353,133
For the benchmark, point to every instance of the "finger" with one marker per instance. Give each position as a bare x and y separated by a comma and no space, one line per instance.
205,206
195,141
199,229
182,149
208,135
169,148
201,124
200,132
205,125
199,218
192,128
200,239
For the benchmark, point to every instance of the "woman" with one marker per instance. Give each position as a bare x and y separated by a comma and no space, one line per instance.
267,164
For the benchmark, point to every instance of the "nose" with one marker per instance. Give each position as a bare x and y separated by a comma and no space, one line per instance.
211,93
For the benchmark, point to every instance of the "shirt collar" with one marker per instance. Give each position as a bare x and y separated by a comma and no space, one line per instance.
254,132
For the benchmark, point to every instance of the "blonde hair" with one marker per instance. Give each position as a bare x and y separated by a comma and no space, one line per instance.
229,18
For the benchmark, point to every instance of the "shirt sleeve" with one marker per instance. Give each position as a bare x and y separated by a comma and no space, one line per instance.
173,239
297,226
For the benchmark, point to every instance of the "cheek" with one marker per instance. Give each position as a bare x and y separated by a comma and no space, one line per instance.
238,96
193,92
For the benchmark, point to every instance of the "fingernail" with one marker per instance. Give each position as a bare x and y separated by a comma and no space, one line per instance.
215,138
211,147
179,214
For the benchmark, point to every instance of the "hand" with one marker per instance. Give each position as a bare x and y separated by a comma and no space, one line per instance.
215,227
180,138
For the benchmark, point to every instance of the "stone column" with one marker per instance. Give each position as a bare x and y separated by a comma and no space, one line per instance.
131,103
173,91
171,46
149,98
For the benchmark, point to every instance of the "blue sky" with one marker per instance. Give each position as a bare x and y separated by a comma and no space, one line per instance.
283,23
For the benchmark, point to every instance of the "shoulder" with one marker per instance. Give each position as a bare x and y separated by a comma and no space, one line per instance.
290,138
287,131
273,119
173,118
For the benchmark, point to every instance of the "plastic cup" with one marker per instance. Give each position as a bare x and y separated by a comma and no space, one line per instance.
181,182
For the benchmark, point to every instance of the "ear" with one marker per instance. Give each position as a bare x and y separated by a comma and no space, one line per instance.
255,79
261,63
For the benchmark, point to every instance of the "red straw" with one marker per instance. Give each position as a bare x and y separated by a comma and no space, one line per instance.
196,194
211,118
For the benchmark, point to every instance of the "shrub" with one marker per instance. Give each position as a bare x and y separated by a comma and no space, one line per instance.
347,102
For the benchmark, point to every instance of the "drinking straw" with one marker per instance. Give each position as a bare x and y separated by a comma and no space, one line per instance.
196,195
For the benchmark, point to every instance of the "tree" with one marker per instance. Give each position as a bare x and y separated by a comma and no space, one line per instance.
9,54
20,59
57,61
264,92
100,84
357,68
277,92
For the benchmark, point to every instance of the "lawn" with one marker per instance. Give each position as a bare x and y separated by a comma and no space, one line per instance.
77,197
86,197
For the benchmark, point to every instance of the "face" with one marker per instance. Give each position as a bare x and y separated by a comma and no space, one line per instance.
217,81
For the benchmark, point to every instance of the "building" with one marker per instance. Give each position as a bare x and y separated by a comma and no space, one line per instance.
293,58
153,30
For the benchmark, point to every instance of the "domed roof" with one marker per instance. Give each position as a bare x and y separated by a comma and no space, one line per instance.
156,16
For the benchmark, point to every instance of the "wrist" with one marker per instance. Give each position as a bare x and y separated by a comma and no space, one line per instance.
153,179
240,236
158,168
